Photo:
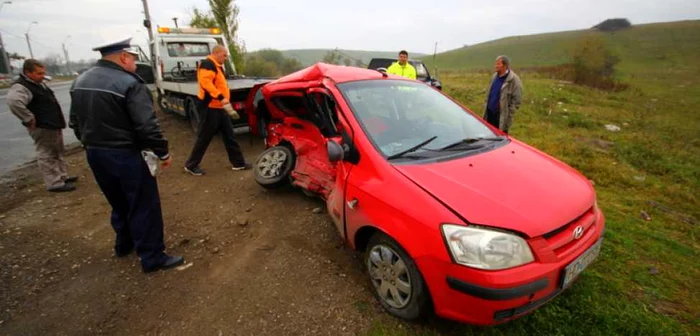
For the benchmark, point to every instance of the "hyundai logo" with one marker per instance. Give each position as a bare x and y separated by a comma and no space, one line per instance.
578,232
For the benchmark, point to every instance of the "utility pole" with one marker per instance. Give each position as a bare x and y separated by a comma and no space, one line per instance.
5,59
175,20
151,41
65,53
29,44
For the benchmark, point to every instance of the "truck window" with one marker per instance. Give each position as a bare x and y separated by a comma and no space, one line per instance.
188,49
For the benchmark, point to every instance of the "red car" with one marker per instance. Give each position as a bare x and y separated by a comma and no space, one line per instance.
453,215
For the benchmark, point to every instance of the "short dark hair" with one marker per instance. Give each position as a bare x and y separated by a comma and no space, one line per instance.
403,52
31,64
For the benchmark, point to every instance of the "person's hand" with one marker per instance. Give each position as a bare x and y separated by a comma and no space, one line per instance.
167,162
225,101
32,125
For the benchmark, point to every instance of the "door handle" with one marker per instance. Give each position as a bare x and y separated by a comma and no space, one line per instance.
353,204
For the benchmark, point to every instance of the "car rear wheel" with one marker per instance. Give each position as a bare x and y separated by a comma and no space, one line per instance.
273,166
397,283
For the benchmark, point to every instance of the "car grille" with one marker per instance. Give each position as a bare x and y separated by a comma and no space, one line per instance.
562,241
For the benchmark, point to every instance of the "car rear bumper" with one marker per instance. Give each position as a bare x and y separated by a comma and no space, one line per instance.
491,297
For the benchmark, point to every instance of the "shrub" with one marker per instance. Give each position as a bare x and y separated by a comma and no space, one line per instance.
613,25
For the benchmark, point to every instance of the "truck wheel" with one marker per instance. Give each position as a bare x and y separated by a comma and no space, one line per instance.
273,166
397,283
193,115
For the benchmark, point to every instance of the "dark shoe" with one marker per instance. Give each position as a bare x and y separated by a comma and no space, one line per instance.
64,188
121,252
171,262
244,167
71,179
196,171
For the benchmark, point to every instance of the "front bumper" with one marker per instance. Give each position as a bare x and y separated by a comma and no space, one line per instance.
491,297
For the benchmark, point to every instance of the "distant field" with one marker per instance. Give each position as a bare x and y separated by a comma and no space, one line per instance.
310,56
660,44
646,281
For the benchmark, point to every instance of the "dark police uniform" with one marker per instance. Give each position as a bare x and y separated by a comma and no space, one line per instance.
112,114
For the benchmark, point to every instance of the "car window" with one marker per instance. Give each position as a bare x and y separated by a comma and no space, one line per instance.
290,105
188,49
397,115
421,71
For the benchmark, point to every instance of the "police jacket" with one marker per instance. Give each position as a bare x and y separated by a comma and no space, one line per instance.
113,108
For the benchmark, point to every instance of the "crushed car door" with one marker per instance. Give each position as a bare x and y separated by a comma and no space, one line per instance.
340,133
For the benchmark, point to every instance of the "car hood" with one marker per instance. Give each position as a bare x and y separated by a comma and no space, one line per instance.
513,187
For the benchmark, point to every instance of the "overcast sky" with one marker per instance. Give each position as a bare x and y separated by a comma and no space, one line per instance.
414,25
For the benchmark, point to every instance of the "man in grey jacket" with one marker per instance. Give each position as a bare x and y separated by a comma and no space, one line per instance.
504,97
35,104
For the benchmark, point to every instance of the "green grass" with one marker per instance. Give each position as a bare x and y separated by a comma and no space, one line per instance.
672,43
655,157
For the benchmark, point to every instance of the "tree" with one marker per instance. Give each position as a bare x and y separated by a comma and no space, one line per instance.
15,56
202,19
290,65
593,63
347,61
225,12
359,63
224,15
257,66
332,57
52,63
613,24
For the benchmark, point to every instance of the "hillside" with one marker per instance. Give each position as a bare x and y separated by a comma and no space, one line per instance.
310,56
671,43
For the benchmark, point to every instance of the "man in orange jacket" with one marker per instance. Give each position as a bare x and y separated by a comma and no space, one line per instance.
214,94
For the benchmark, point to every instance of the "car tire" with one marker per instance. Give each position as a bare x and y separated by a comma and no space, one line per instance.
273,167
408,306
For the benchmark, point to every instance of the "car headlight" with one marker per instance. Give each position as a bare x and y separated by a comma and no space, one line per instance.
486,249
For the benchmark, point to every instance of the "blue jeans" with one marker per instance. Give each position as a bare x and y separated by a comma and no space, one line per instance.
132,192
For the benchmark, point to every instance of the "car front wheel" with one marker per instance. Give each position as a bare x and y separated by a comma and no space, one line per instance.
273,166
397,283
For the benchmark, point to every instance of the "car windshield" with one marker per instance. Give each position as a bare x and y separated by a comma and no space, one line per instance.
398,115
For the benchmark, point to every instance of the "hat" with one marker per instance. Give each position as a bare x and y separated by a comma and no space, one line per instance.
120,45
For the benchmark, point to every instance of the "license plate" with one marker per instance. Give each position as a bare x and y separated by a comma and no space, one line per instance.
577,266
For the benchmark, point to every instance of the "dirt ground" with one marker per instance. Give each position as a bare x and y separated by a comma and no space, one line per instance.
262,262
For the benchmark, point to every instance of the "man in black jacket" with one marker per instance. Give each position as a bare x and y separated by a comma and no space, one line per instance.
112,114
35,104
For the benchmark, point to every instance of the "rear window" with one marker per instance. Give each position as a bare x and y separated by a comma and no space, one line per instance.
188,49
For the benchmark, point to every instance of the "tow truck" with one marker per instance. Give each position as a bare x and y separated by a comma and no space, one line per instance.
177,53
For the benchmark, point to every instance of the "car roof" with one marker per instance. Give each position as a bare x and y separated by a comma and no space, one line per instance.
337,73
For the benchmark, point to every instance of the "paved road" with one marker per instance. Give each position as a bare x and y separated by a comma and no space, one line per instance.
16,147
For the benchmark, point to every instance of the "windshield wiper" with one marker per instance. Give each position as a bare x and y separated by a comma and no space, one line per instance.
469,141
412,149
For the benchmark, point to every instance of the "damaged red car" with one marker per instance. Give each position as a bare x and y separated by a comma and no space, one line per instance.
454,216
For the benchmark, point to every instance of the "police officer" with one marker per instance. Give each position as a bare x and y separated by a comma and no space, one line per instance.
36,106
112,114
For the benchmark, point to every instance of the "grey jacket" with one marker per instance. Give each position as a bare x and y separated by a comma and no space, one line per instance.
511,96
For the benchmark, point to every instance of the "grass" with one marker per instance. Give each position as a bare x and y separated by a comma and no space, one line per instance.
646,280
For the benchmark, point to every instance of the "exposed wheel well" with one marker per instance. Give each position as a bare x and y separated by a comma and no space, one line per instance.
362,237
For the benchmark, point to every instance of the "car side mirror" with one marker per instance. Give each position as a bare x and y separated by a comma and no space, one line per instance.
336,152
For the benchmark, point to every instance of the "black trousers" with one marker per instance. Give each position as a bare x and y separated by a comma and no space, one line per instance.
215,120
493,117
132,192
